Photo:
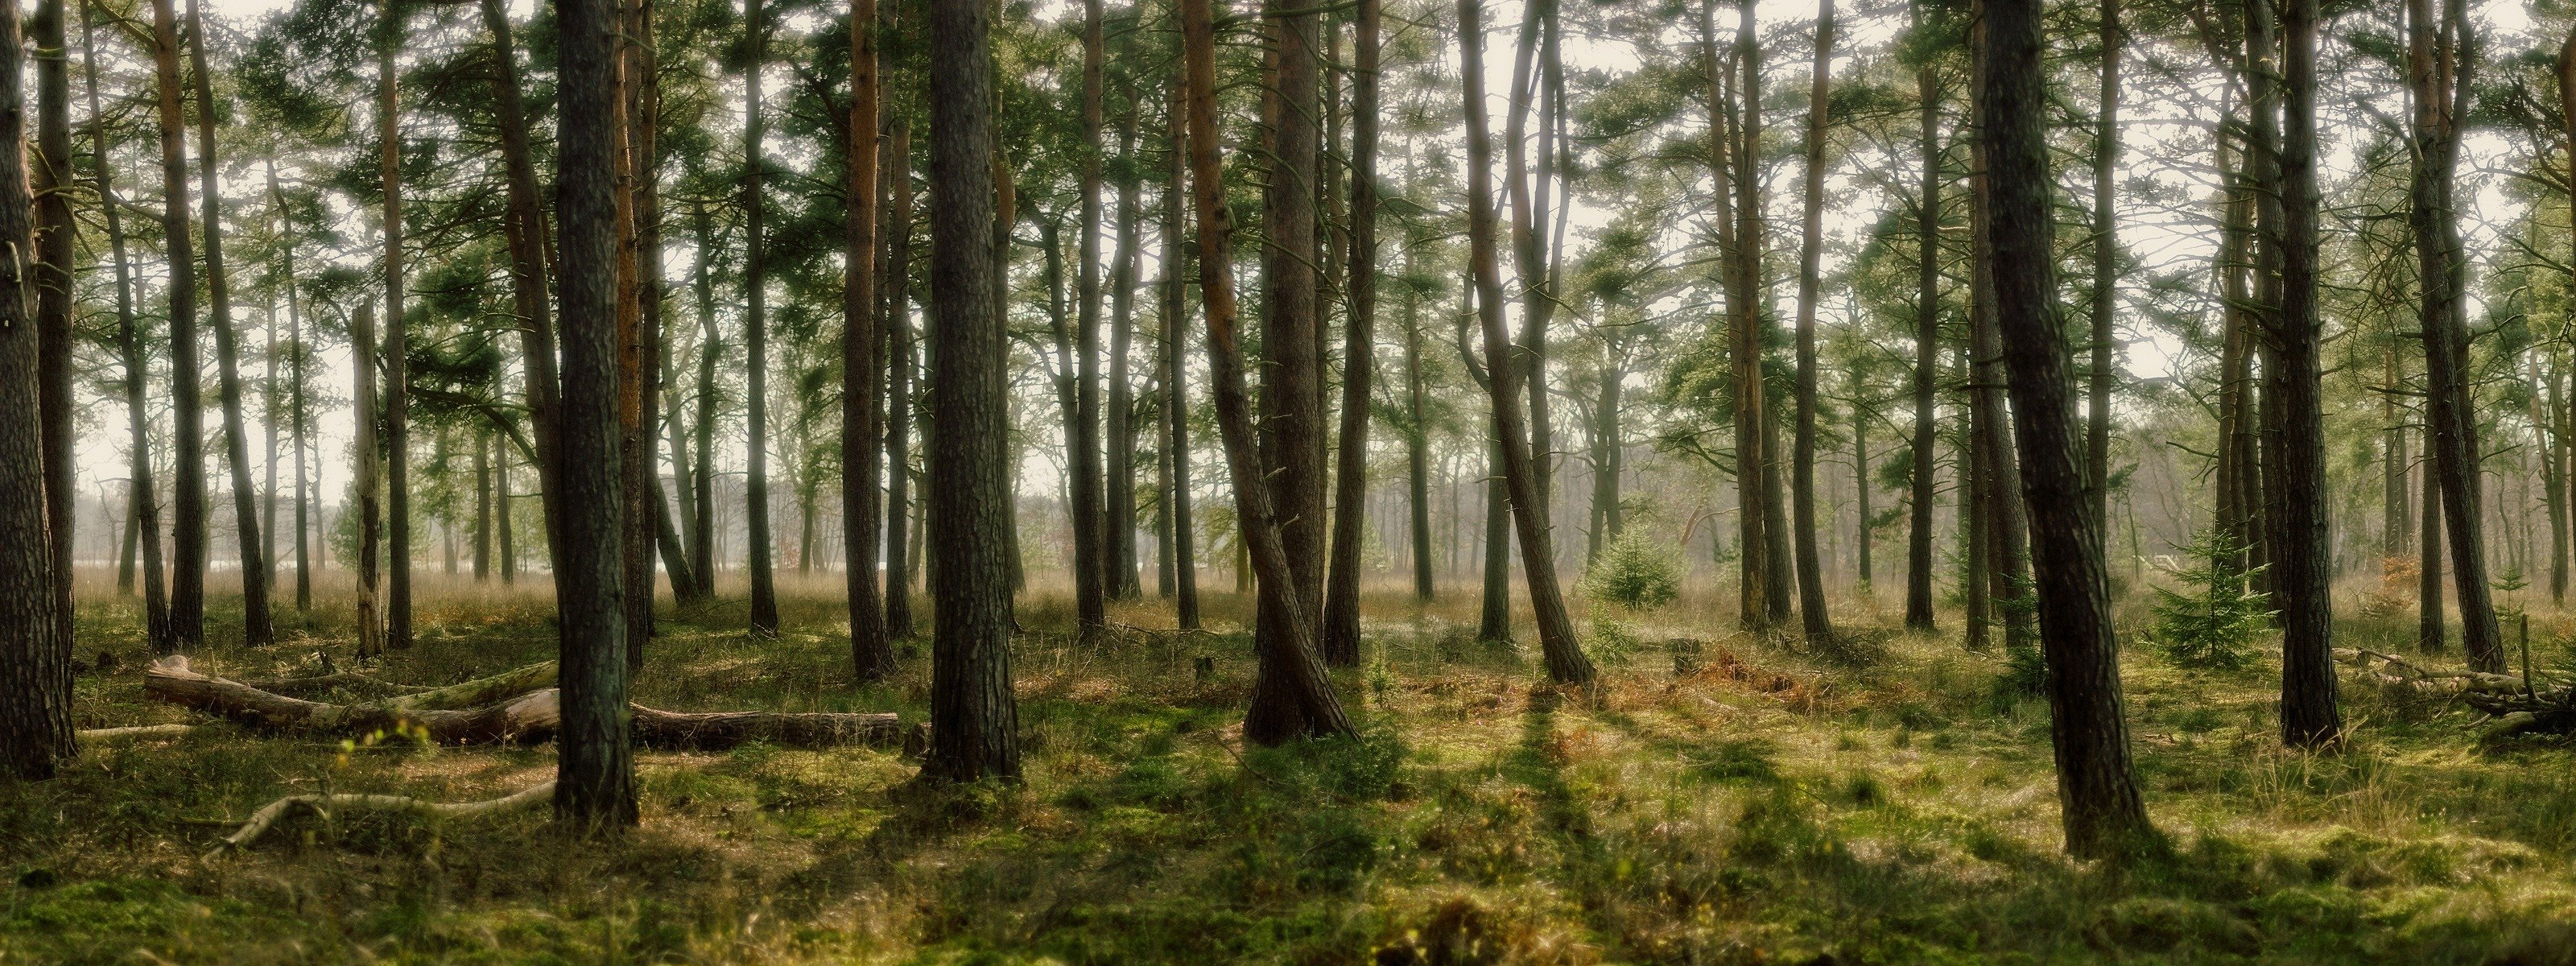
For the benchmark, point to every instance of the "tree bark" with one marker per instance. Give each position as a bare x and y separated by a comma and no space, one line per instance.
368,479
53,260
1359,354
256,629
35,653
397,365
595,768
1566,663
2104,815
862,362
525,229
974,720
2106,261
897,292
1175,377
2302,577
1927,341
1082,435
1817,621
1417,437
1118,509
187,409
2439,73
146,508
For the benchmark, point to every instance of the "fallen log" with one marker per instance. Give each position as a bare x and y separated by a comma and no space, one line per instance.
105,735
530,717
270,814
2467,681
305,687
481,691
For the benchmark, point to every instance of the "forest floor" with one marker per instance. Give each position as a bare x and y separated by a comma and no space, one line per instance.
1741,804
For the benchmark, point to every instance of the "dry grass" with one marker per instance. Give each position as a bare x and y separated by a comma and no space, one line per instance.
1726,801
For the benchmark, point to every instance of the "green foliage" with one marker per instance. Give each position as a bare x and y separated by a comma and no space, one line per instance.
1637,572
2215,627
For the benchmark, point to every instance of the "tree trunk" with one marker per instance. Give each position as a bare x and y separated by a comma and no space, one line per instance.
2550,429
764,590
256,630
1860,485
2439,75
146,511
595,768
1359,355
36,658
1302,702
1292,395
53,256
368,479
1927,341
897,292
702,525
482,507
1175,378
2302,561
1494,617
187,410
1082,435
974,721
1565,660
1817,621
1417,436
397,365
2104,815
2429,632
2007,527
525,229
1118,510
862,361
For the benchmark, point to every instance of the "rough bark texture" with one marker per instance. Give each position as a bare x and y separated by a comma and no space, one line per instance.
1565,660
525,228
145,508
35,655
897,291
862,361
2106,260
2104,815
1303,702
1082,433
1175,375
1927,352
368,479
1359,356
2302,562
974,721
397,340
764,588
1817,622
52,269
1118,497
595,771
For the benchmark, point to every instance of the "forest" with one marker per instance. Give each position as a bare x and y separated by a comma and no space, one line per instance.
1431,482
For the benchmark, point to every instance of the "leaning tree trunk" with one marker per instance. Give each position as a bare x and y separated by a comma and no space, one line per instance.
1565,660
146,509
1359,352
187,409
595,767
2098,788
2302,561
862,364
2106,259
525,229
974,722
2439,75
35,656
1817,621
256,630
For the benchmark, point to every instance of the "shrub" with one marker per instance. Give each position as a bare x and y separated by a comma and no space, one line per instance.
2216,626
1636,572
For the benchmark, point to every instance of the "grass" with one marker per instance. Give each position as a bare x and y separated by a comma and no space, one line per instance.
1724,802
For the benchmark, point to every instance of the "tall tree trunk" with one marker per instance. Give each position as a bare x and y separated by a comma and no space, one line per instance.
397,365
1292,395
1927,341
2302,559
862,362
297,415
2007,526
898,442
2439,73
1359,354
2430,635
2396,526
764,590
1811,575
525,229
368,479
1860,485
53,256
1565,660
1290,669
1118,510
187,409
256,629
702,526
1494,616
1082,435
1607,443
1417,436
1175,378
595,768
974,722
36,658
2106,260
482,507
2098,788
146,511
2549,428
